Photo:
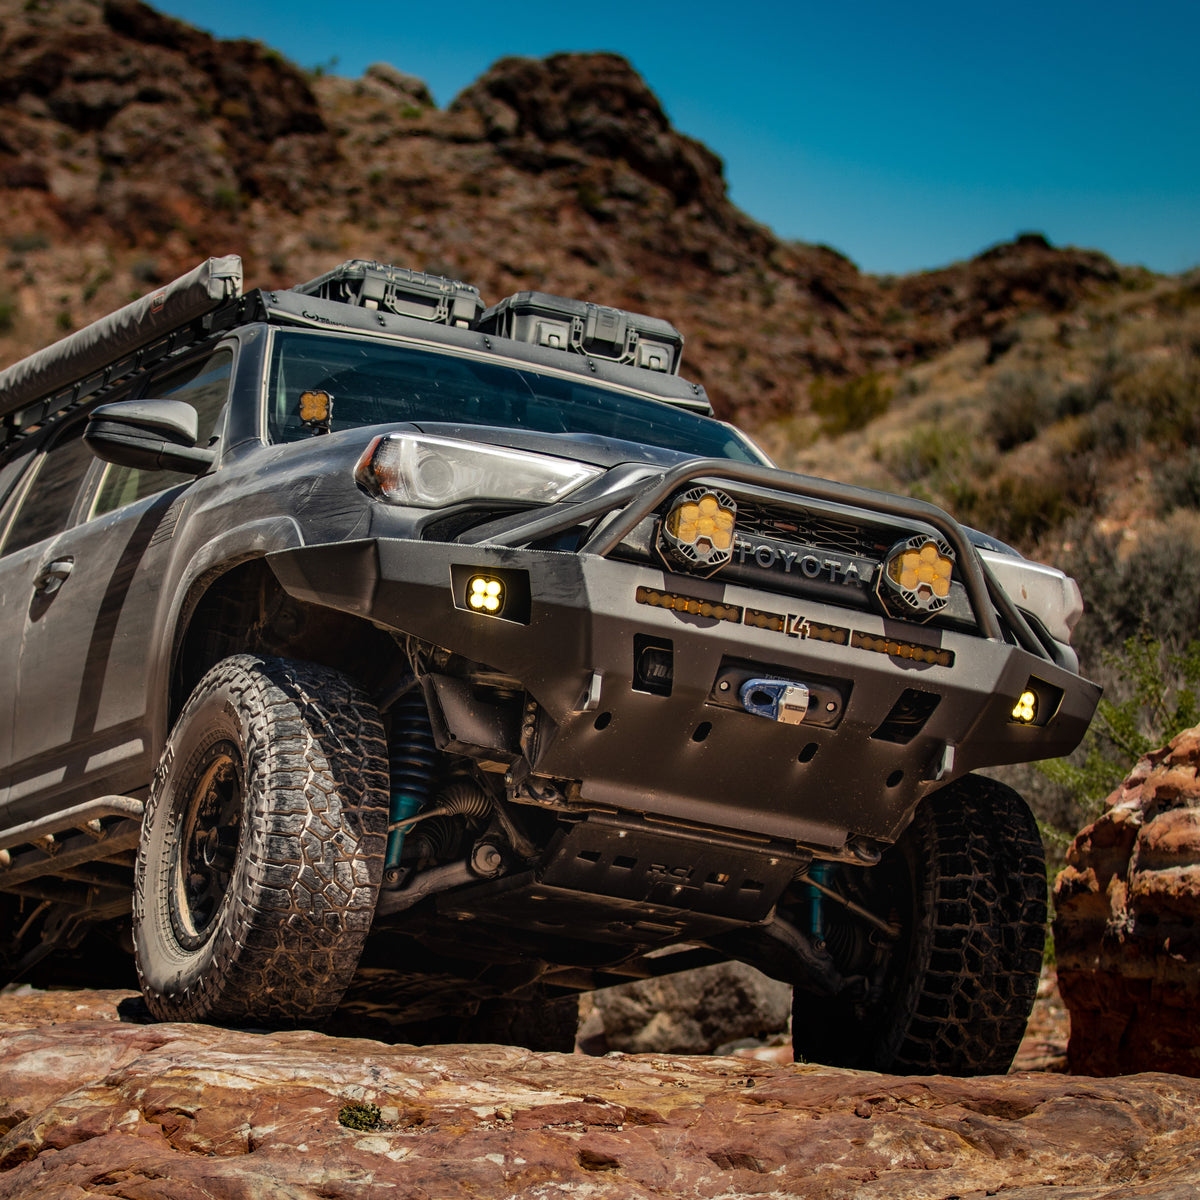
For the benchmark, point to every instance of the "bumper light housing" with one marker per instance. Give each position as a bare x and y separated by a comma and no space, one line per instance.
1037,704
914,581
486,591
697,532
485,594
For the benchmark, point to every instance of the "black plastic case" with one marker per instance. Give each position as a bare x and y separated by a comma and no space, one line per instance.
399,290
582,328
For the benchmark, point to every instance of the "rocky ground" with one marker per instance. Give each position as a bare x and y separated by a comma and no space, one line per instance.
91,1106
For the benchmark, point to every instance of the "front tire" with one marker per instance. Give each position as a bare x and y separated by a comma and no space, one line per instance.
967,884
262,846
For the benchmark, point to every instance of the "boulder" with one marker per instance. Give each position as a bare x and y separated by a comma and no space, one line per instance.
1127,929
694,1012
595,104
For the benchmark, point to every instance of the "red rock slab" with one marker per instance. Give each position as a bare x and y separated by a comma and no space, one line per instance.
96,1108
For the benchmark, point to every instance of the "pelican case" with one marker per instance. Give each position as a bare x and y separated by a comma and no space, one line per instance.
583,328
398,290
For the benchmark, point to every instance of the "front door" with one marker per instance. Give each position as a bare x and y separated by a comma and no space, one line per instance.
86,602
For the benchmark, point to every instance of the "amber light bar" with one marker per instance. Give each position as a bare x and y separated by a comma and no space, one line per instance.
897,649
689,604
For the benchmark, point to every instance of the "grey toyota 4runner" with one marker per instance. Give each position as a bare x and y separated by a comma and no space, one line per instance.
361,646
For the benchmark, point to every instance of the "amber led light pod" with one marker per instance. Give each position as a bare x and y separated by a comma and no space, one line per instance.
916,577
697,531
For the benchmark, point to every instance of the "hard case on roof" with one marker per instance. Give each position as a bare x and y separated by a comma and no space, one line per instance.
576,325
398,290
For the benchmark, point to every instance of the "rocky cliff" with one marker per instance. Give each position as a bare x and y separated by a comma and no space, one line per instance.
131,145
1127,927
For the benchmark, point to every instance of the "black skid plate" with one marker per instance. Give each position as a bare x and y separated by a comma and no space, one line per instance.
616,879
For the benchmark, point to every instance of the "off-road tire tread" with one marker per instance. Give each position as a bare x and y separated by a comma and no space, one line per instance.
310,860
967,971
979,945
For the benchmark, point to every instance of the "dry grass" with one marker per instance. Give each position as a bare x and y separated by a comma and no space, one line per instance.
1057,422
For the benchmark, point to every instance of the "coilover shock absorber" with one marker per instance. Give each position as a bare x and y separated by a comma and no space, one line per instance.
413,753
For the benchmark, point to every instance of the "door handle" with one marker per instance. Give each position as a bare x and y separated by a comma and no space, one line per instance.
51,577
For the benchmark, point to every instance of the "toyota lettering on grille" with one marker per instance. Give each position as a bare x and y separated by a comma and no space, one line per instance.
796,562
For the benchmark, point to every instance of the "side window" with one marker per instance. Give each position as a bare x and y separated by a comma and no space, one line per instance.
11,472
46,505
205,386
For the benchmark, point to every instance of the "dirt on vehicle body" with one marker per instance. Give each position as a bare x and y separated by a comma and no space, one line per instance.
446,661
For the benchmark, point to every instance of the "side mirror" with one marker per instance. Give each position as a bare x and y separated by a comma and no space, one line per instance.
152,435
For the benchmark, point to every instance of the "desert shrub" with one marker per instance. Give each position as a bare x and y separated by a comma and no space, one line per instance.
1177,483
360,1116
1151,398
1020,405
927,448
1020,509
1151,591
850,405
93,285
147,271
1076,399
1169,390
1152,696
317,70
23,243
1113,428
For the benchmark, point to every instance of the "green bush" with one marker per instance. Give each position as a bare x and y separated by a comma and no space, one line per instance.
842,407
360,1116
1153,698
1020,405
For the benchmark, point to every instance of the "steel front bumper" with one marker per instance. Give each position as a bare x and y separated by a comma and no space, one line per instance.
900,724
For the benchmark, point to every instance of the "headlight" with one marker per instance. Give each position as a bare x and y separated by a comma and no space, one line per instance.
431,472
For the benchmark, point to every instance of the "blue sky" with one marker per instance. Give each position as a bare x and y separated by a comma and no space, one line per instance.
906,136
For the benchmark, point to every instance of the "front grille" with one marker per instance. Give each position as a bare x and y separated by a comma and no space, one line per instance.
810,528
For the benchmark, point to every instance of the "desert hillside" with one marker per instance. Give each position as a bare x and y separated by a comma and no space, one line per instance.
132,145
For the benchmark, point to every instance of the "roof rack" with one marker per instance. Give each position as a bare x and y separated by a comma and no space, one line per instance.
617,345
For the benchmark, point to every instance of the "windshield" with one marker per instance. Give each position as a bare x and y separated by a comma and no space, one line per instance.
374,383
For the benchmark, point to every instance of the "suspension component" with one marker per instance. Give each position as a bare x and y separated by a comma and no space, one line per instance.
413,753
464,798
818,881
487,859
